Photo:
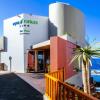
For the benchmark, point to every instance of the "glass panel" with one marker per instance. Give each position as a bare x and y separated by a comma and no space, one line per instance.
40,60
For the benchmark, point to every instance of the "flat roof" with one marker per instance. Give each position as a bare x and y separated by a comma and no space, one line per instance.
42,45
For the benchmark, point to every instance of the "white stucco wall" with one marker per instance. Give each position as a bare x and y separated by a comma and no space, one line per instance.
18,44
15,45
38,33
76,79
67,19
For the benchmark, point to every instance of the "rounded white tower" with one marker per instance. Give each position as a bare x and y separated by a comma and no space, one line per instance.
66,19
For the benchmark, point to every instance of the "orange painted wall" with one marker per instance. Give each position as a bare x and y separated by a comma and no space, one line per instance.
60,55
69,53
30,60
53,54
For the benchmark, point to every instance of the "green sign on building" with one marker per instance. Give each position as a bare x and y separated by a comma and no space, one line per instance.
25,21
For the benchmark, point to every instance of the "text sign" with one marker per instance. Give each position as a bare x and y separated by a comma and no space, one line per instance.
25,21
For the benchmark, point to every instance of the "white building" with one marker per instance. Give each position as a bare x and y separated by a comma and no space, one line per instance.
25,30
22,32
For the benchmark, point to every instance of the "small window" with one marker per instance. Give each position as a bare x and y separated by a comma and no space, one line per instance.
27,25
24,25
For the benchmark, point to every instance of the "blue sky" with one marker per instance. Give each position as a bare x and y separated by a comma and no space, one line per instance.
91,9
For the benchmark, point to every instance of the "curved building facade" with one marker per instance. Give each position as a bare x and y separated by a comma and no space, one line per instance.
64,19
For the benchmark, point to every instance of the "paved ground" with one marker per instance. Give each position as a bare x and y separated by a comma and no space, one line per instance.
36,80
14,88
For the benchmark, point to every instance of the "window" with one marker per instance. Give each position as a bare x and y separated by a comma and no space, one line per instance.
27,25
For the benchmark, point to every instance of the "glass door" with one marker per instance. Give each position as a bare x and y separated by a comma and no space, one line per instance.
40,61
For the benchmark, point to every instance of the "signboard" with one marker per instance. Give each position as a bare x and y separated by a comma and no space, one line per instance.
24,25
25,21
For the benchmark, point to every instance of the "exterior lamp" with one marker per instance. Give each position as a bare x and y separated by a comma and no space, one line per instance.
10,59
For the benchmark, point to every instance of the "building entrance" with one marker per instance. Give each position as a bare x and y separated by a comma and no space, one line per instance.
40,60
43,60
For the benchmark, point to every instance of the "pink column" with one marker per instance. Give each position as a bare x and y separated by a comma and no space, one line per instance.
60,55
57,53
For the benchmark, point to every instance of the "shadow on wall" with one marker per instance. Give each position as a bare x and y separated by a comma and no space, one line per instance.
52,29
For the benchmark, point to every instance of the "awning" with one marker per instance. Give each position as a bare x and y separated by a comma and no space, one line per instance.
42,45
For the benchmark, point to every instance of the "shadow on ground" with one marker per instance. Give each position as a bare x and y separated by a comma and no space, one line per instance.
38,75
14,88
